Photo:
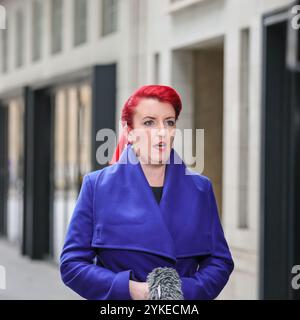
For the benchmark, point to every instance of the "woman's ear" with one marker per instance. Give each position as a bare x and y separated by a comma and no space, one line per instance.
129,133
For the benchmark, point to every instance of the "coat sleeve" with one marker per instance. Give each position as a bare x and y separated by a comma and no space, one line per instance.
214,271
77,268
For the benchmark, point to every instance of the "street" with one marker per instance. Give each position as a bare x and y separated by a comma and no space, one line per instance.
27,279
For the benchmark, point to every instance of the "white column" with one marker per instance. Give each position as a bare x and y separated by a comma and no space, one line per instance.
231,129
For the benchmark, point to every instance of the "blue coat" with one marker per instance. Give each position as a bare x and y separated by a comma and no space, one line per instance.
118,232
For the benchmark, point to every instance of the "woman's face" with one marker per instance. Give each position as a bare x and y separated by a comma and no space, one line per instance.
153,123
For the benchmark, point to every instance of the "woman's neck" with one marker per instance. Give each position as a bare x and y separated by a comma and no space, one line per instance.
154,173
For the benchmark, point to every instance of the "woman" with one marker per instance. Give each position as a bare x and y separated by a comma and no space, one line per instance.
145,210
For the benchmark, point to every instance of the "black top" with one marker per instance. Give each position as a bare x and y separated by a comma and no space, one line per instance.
157,192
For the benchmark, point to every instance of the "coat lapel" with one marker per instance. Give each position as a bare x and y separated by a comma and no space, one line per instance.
176,227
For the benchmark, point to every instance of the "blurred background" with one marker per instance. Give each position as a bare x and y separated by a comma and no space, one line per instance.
68,66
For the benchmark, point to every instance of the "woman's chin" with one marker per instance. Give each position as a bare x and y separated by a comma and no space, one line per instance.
159,158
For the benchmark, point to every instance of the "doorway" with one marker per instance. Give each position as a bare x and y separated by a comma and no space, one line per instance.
71,155
198,74
280,223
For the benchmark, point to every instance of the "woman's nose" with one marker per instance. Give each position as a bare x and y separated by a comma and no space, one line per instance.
161,130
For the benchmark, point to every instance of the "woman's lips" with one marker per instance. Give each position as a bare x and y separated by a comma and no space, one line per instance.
160,147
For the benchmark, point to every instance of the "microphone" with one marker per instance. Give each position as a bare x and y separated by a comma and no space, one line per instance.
164,284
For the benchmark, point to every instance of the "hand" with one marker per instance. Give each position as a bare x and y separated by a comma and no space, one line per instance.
138,290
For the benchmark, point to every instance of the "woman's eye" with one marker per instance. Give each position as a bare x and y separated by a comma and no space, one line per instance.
148,122
171,123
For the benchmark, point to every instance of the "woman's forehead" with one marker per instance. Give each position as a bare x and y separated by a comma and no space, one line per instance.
154,108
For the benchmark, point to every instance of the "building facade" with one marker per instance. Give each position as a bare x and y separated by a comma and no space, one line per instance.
68,66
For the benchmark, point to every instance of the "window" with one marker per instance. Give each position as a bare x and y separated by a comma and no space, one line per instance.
244,131
80,22
109,16
19,38
56,25
37,29
156,68
4,50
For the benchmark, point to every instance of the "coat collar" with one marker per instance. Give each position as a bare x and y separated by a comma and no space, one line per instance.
179,226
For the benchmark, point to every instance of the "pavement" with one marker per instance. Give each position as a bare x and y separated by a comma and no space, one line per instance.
26,279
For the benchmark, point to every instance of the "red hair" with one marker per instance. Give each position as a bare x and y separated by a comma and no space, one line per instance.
159,92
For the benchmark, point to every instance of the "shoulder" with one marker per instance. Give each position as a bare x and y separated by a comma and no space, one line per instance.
93,176
201,181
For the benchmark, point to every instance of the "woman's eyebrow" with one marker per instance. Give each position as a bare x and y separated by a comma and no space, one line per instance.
172,117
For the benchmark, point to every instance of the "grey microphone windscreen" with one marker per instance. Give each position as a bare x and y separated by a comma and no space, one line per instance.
164,284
